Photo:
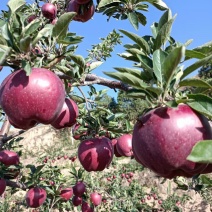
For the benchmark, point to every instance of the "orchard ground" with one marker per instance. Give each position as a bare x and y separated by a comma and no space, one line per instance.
144,189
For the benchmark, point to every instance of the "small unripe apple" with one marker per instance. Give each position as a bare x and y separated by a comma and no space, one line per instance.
96,198
49,10
9,158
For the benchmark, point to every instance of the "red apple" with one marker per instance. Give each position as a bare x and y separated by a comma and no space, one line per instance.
67,116
114,142
35,197
79,189
31,18
54,21
9,158
66,193
27,100
124,145
95,154
164,137
86,207
76,200
82,1
2,186
77,136
207,170
84,12
49,10
96,198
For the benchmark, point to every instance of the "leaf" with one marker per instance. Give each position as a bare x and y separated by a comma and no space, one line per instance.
25,44
61,27
159,4
4,53
163,33
79,60
30,28
26,66
134,72
201,152
195,82
133,18
154,29
158,59
45,32
139,40
128,79
170,64
164,18
71,40
196,65
95,65
103,3
38,169
205,48
194,54
141,18
14,5
201,103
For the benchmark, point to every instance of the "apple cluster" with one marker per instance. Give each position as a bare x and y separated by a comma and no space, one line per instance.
37,98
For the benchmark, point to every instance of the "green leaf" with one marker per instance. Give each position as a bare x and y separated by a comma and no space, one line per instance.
141,18
163,33
193,54
45,32
4,53
171,63
201,103
205,48
128,79
158,59
154,29
31,28
195,82
95,65
164,18
14,5
134,72
103,3
26,66
159,4
61,27
25,44
201,152
79,60
139,40
71,40
196,65
133,18
38,169
157,91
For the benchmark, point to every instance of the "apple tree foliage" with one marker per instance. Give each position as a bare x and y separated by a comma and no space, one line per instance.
156,78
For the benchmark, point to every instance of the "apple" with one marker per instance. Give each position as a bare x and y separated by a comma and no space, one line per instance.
76,200
31,18
95,154
79,189
124,145
35,197
84,12
164,137
66,193
49,10
77,136
96,198
2,186
82,1
114,142
28,100
1,67
9,158
67,116
207,170
86,207
54,21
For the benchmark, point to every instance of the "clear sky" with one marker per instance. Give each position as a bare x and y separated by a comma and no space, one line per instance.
192,22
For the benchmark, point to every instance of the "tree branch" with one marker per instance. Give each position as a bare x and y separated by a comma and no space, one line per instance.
4,131
14,184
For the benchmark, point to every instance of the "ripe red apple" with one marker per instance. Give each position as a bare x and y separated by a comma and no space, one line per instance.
76,200
49,10
124,145
67,116
207,170
31,18
86,207
84,12
2,186
54,21
82,1
96,198
27,100
9,158
114,142
164,137
66,193
79,189
95,154
35,197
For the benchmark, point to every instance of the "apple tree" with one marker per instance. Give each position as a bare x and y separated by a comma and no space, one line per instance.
170,132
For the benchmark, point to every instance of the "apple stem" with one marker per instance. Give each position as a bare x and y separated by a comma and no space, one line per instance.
4,131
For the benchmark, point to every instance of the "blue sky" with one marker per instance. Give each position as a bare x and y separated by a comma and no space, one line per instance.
192,22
